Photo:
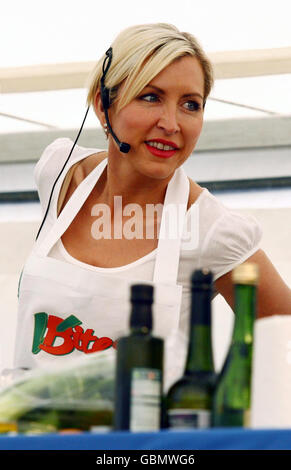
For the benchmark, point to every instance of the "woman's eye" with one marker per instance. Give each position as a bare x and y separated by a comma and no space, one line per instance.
192,105
150,97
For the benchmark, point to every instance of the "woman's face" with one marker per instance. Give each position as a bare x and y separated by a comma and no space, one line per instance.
163,123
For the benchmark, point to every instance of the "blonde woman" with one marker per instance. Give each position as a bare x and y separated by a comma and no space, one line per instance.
109,209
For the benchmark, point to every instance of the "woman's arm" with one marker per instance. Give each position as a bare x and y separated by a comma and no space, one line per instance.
274,296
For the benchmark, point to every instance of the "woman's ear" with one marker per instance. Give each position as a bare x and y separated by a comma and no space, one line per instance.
99,111
98,107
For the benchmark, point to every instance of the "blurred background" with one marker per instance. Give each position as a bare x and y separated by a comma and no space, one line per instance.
48,48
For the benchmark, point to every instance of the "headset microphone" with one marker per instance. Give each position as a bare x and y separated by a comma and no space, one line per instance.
105,98
123,146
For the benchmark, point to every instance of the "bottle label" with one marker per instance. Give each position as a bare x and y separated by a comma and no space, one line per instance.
186,418
145,400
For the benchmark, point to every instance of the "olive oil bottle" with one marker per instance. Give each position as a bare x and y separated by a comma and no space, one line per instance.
139,369
231,404
189,400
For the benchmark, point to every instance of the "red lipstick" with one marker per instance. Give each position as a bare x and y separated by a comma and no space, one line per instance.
160,152
165,142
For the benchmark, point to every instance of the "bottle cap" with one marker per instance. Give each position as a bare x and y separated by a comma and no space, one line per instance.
246,273
141,315
142,293
202,279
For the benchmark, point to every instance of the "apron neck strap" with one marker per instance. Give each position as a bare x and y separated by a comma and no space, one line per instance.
171,229
70,210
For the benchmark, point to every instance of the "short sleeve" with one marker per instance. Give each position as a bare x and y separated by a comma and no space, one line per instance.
48,167
233,239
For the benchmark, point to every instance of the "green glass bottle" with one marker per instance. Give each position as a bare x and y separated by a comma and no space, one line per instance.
231,403
189,400
139,369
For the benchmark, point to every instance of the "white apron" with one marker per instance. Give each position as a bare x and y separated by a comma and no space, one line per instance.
66,310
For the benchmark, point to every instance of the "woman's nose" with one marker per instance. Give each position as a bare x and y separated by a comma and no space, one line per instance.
168,120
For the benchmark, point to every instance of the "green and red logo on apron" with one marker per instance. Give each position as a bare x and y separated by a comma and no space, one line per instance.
48,328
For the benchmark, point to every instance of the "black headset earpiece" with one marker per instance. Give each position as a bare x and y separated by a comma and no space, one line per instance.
105,98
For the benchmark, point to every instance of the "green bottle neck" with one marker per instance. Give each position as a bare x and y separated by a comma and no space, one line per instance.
199,357
140,331
141,318
245,309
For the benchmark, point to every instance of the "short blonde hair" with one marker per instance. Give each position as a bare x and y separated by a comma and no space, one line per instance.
139,54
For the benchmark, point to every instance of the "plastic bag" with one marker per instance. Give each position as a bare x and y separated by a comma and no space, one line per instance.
75,397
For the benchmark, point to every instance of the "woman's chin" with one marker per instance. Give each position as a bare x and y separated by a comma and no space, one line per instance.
157,170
